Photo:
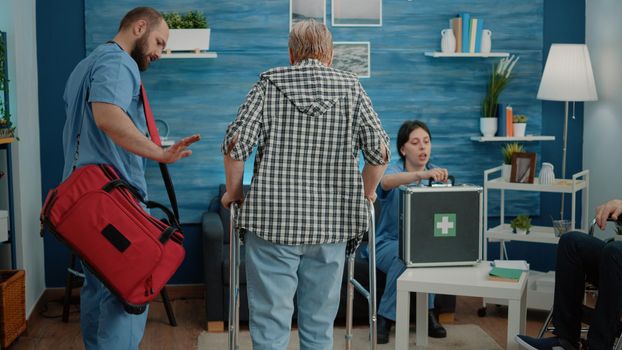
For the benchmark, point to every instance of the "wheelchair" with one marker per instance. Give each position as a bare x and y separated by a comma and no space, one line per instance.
587,311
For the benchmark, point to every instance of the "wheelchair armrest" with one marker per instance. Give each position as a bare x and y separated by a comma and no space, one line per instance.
593,224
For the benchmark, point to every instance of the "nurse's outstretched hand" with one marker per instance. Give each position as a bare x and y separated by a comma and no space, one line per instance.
179,149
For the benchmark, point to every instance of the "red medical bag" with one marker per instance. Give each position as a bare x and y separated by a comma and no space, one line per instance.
100,217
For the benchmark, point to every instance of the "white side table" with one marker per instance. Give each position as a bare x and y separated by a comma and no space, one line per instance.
463,280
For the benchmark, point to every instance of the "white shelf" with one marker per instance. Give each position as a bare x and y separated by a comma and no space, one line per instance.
437,54
210,54
512,138
538,299
539,234
558,185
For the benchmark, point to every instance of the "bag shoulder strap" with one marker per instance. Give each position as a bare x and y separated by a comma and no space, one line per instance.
155,137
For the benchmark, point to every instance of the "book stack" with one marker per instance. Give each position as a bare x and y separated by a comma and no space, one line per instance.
504,274
468,32
507,270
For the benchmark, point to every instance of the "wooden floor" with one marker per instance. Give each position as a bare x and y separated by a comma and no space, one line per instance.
47,331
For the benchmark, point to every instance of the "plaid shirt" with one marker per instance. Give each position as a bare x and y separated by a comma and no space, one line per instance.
309,123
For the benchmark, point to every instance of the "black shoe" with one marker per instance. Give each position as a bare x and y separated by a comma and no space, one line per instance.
383,328
435,328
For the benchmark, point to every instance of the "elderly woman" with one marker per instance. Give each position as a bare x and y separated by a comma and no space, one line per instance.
414,143
307,199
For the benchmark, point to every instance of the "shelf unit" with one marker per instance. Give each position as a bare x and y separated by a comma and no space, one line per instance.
437,54
171,55
538,234
5,144
527,138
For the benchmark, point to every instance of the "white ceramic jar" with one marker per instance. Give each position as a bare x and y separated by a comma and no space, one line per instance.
448,41
547,174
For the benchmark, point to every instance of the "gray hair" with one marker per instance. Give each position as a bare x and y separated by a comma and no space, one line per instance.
310,39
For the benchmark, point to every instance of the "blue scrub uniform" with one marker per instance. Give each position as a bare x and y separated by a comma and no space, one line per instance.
107,75
387,245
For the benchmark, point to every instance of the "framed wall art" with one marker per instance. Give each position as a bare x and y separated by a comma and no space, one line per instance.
353,56
356,13
300,10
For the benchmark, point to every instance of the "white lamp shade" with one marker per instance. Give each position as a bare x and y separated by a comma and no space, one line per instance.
568,74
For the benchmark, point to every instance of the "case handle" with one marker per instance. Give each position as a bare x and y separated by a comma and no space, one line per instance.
452,182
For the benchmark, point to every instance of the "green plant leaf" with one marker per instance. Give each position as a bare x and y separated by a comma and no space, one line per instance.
509,149
188,20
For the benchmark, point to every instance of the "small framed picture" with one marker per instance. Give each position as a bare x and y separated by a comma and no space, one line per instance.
352,56
356,13
523,167
300,10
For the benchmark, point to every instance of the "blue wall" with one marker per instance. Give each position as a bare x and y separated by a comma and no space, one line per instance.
203,95
250,36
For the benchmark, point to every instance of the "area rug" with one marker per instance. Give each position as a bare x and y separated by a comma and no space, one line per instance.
459,337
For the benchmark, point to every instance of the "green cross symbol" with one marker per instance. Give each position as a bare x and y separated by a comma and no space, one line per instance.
445,225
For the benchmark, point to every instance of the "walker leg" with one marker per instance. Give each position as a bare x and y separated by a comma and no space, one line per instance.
349,302
372,278
370,294
234,265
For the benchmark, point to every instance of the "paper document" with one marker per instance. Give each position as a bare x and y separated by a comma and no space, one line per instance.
512,264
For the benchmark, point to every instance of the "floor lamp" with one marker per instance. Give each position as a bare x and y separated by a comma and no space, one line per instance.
567,77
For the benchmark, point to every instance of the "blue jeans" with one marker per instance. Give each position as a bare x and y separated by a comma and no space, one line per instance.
387,261
103,321
274,274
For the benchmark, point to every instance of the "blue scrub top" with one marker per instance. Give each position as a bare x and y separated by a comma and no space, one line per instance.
388,224
107,75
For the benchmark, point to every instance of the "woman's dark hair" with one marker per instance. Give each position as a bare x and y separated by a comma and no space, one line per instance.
404,133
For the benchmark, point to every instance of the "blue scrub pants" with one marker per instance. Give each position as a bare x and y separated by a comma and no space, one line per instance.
104,323
274,274
387,261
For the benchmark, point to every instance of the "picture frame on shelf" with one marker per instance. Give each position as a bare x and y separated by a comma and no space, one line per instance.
356,13
300,10
353,56
523,167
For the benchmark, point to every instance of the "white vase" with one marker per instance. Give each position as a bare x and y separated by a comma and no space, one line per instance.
547,174
519,129
486,41
488,126
520,231
448,41
506,171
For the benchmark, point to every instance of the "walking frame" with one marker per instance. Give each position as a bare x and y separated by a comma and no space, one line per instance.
370,295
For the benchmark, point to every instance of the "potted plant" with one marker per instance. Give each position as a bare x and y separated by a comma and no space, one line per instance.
189,31
508,151
6,126
519,124
521,224
499,79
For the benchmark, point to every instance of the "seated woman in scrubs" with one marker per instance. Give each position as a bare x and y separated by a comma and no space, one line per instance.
414,144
